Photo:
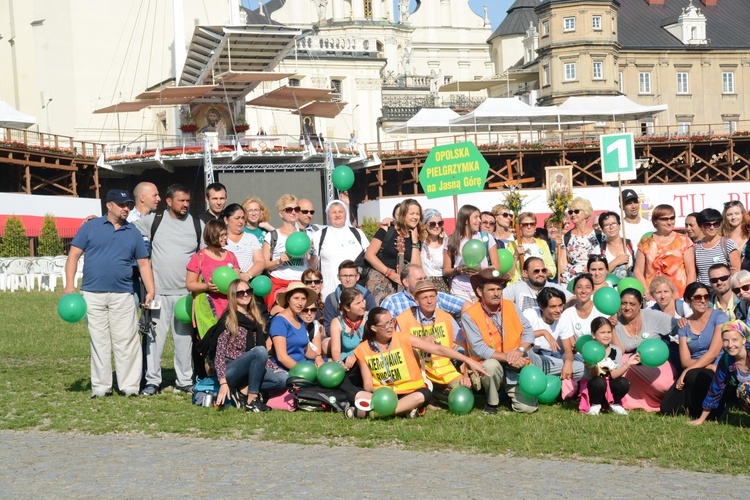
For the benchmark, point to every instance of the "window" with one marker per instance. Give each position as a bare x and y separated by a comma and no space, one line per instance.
727,80
545,75
683,127
596,23
644,83
294,82
598,70
569,23
730,127
647,128
336,88
682,83
621,84
545,28
570,71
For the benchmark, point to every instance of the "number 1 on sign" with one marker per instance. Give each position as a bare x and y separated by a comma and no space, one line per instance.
620,146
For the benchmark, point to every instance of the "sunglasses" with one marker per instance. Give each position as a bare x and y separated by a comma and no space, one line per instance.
244,293
732,203
291,210
434,224
744,288
715,280
312,282
309,310
306,212
505,214
528,224
667,219
543,270
712,225
575,211
703,297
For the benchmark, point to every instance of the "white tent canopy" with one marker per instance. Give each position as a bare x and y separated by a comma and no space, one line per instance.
507,110
10,117
606,108
428,120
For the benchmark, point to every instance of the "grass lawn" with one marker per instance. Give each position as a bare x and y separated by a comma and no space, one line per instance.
45,386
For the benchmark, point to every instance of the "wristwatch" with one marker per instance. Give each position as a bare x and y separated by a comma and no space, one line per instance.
522,349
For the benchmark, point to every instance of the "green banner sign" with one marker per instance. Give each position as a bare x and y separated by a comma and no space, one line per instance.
453,169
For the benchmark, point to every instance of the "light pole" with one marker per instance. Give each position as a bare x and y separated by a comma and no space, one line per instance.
45,107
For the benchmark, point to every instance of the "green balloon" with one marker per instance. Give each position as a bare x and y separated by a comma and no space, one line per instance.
654,352
183,309
261,285
582,341
593,352
71,307
461,400
331,374
532,380
305,370
626,283
297,245
554,386
342,177
473,253
506,260
607,300
222,277
612,279
384,401
571,285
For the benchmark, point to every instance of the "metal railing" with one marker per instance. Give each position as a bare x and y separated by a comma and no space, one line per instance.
49,143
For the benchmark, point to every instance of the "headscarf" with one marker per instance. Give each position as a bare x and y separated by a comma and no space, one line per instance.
429,214
346,211
737,325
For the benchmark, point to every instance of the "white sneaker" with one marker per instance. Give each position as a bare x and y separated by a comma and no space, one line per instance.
618,409
594,410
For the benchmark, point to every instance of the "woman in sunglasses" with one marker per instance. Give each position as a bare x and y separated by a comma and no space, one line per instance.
467,227
665,252
503,225
282,268
529,246
700,345
648,385
241,352
432,249
579,242
713,248
347,328
733,224
291,341
740,284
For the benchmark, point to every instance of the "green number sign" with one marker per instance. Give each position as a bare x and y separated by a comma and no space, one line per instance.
453,169
618,157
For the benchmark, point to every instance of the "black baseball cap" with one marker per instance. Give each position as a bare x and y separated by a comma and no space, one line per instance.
627,195
118,196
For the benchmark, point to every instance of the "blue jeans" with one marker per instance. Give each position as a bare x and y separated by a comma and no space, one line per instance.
250,369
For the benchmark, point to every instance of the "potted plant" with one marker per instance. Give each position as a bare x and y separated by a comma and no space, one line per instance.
187,124
241,126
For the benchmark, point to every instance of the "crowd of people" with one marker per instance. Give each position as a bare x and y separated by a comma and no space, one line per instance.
405,309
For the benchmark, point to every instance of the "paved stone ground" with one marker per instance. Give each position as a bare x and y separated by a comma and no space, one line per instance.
37,464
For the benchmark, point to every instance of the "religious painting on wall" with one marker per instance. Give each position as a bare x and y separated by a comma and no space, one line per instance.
211,117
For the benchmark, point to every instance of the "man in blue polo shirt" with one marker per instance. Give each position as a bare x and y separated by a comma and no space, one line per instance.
111,244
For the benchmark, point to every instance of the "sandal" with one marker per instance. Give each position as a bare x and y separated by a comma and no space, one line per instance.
350,412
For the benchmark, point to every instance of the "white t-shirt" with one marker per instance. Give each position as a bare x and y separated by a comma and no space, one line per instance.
634,232
537,323
572,325
292,269
243,250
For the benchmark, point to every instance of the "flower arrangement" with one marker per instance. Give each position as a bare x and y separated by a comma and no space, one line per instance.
187,124
514,200
558,201
241,125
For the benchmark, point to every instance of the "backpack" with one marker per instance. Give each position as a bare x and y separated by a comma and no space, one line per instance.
157,222
313,397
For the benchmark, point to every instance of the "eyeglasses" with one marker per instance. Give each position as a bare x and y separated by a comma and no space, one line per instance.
610,225
291,210
388,324
312,282
732,203
489,222
712,225
543,270
703,297
667,219
575,211
528,224
309,310
504,214
244,293
347,276
715,280
744,288
306,212
254,211
433,224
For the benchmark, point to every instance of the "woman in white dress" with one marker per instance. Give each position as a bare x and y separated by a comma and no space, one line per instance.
432,249
340,242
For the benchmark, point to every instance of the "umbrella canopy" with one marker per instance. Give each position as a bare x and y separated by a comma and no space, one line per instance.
10,117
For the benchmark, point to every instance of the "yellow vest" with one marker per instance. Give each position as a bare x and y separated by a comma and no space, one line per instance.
439,369
512,328
398,363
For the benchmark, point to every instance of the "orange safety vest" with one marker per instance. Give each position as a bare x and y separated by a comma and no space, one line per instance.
398,364
501,342
439,369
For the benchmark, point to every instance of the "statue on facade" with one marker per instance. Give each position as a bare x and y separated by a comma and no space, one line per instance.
406,61
403,9
321,5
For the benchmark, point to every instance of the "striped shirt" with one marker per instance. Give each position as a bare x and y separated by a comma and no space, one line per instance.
707,257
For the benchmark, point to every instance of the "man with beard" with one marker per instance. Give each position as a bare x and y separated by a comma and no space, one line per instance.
524,293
